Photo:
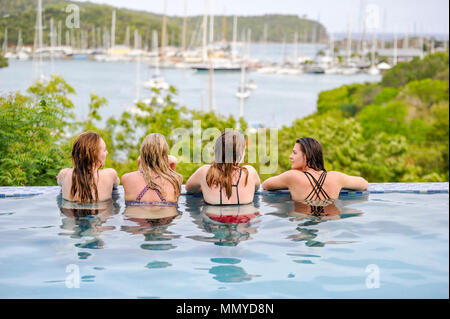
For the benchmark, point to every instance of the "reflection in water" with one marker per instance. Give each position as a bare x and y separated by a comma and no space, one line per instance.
229,224
311,214
86,220
229,272
152,222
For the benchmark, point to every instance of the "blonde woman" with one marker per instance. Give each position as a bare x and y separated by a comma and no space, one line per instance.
156,182
226,181
86,182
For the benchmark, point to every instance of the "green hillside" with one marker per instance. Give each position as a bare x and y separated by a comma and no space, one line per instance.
21,14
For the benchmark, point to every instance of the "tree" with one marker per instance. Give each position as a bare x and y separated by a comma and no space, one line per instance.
3,61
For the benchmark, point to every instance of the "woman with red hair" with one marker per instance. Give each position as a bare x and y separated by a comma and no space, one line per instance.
86,182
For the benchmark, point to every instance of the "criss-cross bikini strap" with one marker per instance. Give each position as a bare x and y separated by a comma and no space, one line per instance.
145,190
317,186
142,193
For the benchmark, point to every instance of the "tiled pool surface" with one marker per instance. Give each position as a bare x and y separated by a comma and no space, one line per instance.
374,188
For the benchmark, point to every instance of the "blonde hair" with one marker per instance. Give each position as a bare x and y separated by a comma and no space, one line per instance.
155,157
228,153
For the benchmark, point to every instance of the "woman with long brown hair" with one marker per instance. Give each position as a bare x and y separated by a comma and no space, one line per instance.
86,182
156,181
308,180
226,181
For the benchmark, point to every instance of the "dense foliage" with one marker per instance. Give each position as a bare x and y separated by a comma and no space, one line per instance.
383,133
410,106
3,61
21,14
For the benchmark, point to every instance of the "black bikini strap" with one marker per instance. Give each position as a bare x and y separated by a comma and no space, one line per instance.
317,186
237,185
237,188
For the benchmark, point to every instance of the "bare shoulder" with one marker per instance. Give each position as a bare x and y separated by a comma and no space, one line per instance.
204,169
336,175
128,176
294,174
62,173
250,169
109,172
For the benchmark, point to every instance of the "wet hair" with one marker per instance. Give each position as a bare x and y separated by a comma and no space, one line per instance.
229,150
313,152
155,157
85,158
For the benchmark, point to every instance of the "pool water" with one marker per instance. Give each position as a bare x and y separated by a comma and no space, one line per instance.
388,245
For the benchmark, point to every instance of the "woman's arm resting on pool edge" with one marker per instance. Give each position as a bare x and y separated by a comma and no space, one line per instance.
61,175
278,182
353,182
193,185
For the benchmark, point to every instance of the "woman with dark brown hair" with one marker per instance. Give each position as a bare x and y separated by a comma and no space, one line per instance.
226,181
308,180
86,182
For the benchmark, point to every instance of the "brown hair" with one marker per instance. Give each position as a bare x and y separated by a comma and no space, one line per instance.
228,152
313,152
85,158
155,157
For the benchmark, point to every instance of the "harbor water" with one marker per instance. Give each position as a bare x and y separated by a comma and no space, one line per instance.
278,100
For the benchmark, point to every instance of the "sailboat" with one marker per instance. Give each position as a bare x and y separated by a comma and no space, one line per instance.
219,65
157,80
373,68
243,91
38,68
293,69
20,52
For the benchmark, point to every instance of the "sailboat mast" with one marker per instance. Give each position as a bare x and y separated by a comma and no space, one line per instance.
295,48
40,45
163,31
212,106
19,41
233,48
138,66
113,29
224,27
127,37
211,23
349,40
59,33
205,27
155,48
183,36
395,48
52,37
374,44
332,49
5,41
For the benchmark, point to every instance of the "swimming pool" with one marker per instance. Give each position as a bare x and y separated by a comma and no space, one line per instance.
387,244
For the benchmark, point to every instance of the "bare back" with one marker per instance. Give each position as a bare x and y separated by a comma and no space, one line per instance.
313,188
134,183
107,179
242,193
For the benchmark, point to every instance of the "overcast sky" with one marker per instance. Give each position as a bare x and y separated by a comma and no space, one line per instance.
429,16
